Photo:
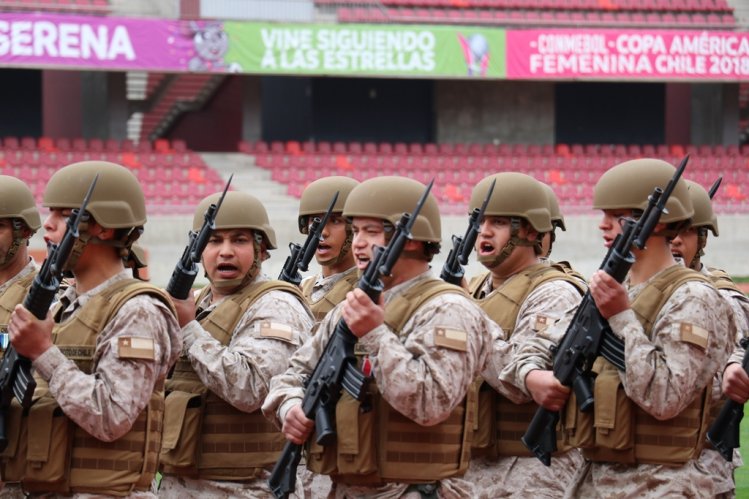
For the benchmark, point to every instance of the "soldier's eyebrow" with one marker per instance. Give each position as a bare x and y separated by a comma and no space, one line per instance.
368,226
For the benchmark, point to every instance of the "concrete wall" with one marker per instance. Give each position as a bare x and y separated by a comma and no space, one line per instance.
715,113
491,111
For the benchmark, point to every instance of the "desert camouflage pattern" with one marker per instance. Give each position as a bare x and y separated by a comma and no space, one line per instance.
26,270
664,374
240,372
106,402
512,476
421,380
323,285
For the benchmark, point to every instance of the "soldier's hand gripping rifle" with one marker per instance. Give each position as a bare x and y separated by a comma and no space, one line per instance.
725,431
336,368
588,334
186,270
300,256
452,270
16,379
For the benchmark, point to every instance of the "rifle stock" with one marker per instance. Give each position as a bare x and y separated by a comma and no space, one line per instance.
186,270
16,379
589,335
336,369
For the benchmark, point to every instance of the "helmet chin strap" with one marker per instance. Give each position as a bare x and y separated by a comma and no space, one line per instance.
18,240
696,263
491,262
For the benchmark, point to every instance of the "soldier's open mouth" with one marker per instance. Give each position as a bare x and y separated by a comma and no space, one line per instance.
486,248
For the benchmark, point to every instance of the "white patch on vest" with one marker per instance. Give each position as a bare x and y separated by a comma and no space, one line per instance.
130,347
693,334
276,331
451,338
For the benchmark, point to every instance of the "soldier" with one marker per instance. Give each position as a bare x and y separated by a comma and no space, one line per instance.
238,333
547,242
523,294
423,343
101,356
338,275
647,427
19,220
689,246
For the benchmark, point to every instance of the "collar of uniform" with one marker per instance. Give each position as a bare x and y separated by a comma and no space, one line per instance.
404,286
29,268
77,300
321,281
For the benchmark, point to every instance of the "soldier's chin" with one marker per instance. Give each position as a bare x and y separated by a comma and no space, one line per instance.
324,262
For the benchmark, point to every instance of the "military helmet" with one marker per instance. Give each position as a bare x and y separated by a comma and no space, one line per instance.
557,219
17,201
515,195
628,186
317,196
388,198
239,210
117,201
703,208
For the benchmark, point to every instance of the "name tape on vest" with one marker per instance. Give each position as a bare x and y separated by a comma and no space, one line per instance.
276,331
693,334
130,347
451,338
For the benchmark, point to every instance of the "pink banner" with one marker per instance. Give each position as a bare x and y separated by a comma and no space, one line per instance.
627,54
43,40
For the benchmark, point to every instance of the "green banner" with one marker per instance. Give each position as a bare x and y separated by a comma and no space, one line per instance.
362,49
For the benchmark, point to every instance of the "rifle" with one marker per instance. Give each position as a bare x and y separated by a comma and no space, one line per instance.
336,368
186,271
589,334
724,432
714,187
452,270
301,255
15,370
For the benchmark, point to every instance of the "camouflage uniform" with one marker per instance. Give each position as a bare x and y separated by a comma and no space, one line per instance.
323,285
420,380
28,269
240,373
663,376
514,476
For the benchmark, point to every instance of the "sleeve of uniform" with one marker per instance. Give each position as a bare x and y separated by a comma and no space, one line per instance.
106,402
664,375
266,336
287,388
428,373
536,332
740,305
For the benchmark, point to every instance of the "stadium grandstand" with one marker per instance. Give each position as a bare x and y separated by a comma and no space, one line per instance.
282,92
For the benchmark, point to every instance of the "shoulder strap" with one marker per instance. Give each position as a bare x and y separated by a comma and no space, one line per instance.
401,307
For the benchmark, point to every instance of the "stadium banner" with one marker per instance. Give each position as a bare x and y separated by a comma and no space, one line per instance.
363,49
662,55
93,42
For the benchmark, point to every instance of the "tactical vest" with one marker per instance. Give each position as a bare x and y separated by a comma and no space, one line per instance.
47,452
14,295
618,430
205,437
336,295
501,422
376,444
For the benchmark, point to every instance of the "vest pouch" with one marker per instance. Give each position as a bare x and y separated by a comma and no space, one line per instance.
49,446
321,460
14,455
484,427
182,419
614,423
356,443
578,426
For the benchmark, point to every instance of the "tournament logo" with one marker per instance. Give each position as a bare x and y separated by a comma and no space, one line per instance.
475,53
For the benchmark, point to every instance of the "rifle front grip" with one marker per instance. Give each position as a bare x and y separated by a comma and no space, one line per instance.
181,283
535,440
39,300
